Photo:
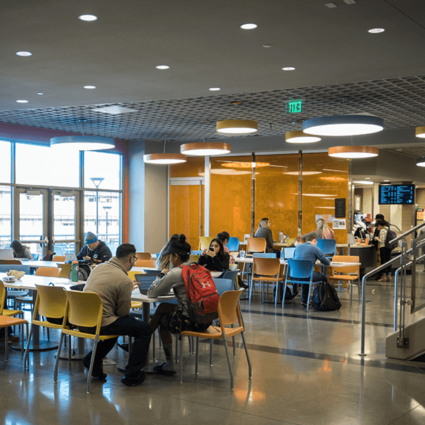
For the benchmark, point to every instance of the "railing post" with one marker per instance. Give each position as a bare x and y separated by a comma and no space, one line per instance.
363,336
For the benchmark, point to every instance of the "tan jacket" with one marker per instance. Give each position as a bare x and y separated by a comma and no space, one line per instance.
111,282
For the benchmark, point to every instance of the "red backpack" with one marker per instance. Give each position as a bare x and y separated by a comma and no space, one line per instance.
201,293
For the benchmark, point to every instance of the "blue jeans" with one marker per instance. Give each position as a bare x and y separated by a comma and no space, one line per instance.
125,326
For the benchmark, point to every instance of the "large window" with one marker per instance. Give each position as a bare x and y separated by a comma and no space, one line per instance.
5,162
5,221
102,171
44,166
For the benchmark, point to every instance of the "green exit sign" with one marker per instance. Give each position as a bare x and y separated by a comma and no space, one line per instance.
294,106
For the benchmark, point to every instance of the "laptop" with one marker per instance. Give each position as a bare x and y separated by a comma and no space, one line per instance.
145,280
6,254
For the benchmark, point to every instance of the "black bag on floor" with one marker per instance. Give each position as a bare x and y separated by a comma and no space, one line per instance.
288,295
325,297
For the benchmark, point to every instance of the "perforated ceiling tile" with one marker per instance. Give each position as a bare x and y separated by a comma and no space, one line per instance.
400,102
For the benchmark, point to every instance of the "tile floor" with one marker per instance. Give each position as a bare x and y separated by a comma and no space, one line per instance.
306,370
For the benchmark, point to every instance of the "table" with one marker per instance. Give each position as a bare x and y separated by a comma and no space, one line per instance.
28,282
36,264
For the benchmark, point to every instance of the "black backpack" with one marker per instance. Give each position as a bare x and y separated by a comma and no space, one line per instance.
325,297
390,236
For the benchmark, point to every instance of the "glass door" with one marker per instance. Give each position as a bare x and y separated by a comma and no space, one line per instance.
33,223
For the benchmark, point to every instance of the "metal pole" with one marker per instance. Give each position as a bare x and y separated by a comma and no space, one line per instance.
106,226
253,196
300,194
97,213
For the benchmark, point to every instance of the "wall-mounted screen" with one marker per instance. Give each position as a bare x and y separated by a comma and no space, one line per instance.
397,194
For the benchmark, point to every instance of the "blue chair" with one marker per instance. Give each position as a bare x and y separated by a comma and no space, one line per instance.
300,269
264,254
223,285
328,246
233,244
35,257
230,274
195,252
288,253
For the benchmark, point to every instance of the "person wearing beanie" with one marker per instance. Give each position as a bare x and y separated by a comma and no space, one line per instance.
94,250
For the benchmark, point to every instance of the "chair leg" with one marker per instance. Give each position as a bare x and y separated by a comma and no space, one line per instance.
247,356
228,361
196,355
55,374
308,298
190,344
181,360
358,286
93,355
177,346
6,340
351,295
27,328
234,346
69,348
153,346
283,296
27,350
211,347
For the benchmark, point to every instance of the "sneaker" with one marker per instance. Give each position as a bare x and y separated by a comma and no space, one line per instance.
303,303
132,382
97,371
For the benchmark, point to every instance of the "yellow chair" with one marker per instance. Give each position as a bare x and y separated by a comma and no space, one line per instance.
64,270
47,271
5,311
267,271
135,304
59,258
50,302
194,258
145,263
83,309
256,245
228,314
144,255
348,274
7,322
290,241
204,242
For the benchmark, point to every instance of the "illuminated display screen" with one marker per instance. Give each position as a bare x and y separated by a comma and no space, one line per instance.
397,194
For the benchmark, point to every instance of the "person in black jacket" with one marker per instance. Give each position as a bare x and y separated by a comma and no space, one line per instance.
214,258
94,250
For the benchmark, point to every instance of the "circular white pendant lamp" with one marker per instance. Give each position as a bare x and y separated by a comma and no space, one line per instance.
343,125
420,162
353,152
300,137
164,158
420,132
82,143
237,127
205,149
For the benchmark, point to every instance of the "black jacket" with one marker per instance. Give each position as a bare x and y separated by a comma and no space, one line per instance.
102,253
214,263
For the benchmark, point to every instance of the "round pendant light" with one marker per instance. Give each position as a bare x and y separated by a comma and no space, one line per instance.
300,137
420,132
420,162
353,152
237,127
164,158
205,149
343,125
82,143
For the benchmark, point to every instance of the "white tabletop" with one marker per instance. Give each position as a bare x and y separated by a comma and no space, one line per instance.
250,260
29,281
137,296
36,264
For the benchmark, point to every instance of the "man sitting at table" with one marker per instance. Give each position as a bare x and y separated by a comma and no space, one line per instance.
111,282
309,251
94,249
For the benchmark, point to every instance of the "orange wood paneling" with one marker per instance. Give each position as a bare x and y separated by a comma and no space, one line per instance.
276,193
329,181
231,197
194,167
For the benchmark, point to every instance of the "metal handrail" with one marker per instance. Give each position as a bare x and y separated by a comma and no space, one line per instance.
413,229
397,272
381,267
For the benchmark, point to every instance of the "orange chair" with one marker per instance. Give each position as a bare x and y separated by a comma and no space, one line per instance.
228,314
59,258
144,255
14,262
256,245
48,271
204,242
267,271
7,322
145,263
348,273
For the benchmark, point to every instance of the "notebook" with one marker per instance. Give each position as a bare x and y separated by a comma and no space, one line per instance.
6,254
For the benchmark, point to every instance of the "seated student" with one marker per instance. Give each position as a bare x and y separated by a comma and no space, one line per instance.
163,261
297,242
309,251
20,251
264,231
224,237
171,318
214,258
94,249
323,231
111,282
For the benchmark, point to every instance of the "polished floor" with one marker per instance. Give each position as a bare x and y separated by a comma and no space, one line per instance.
306,370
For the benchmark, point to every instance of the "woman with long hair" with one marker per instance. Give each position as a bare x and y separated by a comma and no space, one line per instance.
214,258
163,261
20,251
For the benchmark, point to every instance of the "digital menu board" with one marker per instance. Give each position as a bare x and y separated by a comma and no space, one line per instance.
399,194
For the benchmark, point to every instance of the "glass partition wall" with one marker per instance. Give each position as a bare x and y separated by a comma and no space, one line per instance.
291,190
49,200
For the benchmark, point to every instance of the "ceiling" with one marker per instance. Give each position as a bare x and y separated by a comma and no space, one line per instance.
337,62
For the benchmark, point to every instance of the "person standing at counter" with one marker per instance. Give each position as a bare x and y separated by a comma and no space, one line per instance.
264,231
323,231
384,252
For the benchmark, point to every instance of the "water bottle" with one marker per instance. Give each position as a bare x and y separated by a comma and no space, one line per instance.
282,254
281,237
74,274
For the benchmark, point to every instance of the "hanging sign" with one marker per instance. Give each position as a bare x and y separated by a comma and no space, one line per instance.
294,106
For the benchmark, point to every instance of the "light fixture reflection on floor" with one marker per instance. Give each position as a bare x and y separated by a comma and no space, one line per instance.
205,149
353,152
420,132
237,126
82,143
300,137
343,125
420,162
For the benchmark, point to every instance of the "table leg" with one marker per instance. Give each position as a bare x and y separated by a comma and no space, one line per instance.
75,355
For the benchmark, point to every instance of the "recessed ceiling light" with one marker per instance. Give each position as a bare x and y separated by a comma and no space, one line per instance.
386,180
89,87
330,5
267,46
367,178
24,54
376,30
214,89
114,110
362,182
249,26
40,94
22,101
162,67
288,68
88,18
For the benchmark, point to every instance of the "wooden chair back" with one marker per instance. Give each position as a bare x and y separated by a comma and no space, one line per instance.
144,255
48,271
266,266
59,258
256,245
346,259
